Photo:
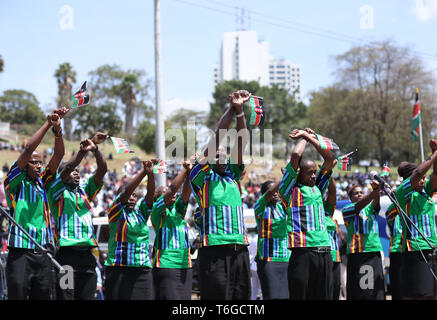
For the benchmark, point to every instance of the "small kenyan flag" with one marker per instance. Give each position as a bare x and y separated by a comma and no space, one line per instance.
416,117
160,167
326,143
344,163
121,145
81,97
257,112
385,170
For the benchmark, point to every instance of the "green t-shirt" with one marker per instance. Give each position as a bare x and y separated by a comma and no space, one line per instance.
128,243
29,206
306,214
271,220
420,208
331,227
72,208
171,247
221,218
395,228
362,229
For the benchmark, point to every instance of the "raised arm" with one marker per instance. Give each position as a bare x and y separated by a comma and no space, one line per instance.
150,181
299,148
237,99
102,167
34,142
176,183
423,168
332,193
133,183
326,154
186,189
85,146
369,197
59,149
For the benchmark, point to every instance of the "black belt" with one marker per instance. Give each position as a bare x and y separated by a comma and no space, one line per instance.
314,249
33,251
76,248
234,246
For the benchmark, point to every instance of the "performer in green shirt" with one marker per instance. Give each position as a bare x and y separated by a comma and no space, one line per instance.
29,273
71,204
224,266
415,198
128,267
301,190
364,246
334,232
272,253
172,273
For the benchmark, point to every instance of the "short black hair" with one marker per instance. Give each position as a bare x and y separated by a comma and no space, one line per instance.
265,186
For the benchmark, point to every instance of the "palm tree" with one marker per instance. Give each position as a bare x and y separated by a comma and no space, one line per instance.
66,76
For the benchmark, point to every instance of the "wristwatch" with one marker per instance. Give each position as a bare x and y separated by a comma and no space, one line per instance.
57,133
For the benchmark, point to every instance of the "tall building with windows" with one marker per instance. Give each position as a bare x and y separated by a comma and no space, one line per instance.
244,57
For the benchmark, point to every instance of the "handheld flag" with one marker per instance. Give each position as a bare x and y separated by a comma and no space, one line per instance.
81,97
385,170
345,162
160,167
121,145
257,111
416,117
326,143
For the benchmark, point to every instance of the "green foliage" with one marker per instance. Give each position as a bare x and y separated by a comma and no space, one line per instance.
2,64
91,119
145,137
21,107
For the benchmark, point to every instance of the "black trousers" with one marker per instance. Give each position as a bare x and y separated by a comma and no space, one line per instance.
172,284
365,278
417,278
128,283
29,275
310,275
83,263
336,280
395,274
224,273
273,279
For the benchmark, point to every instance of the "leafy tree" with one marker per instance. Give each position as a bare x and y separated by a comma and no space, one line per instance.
145,137
66,77
93,119
111,83
2,64
21,108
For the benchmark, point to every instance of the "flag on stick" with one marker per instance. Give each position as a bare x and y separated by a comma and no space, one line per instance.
385,172
326,143
81,97
121,145
345,162
160,167
257,111
416,117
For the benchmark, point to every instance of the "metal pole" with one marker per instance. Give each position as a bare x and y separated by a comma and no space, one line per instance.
160,137
421,141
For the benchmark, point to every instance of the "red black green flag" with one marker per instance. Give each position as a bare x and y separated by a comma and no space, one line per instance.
81,97
344,162
326,143
416,117
385,172
257,112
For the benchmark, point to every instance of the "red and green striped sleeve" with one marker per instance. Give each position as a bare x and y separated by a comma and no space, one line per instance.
286,185
92,189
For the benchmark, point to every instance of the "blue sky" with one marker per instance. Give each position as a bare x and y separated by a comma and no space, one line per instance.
34,39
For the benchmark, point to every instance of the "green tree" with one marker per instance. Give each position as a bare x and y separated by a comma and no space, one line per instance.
2,64
371,105
93,119
21,108
66,77
111,83
145,137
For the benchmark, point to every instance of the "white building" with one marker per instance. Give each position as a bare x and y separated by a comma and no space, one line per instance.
244,57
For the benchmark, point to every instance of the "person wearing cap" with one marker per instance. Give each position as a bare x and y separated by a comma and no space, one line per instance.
29,273
415,199
71,205
301,189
